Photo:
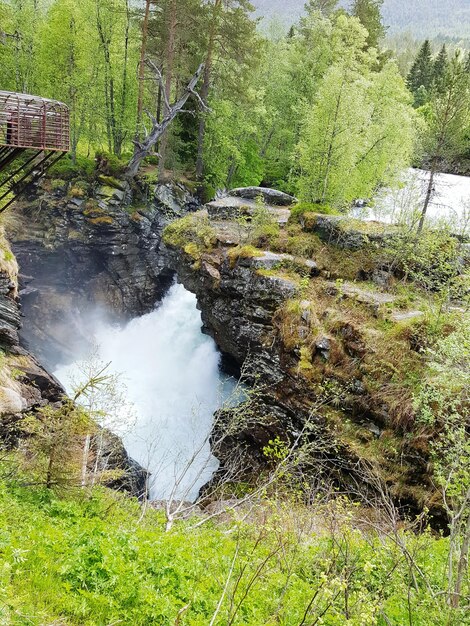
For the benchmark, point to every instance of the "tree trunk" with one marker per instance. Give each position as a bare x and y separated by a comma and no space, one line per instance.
143,148
462,566
86,452
429,194
205,90
170,57
330,146
143,50
120,133
50,467
109,82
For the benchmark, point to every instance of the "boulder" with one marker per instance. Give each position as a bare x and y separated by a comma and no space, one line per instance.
270,196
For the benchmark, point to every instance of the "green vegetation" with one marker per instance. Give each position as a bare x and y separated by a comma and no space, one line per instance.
193,233
92,560
269,95
302,208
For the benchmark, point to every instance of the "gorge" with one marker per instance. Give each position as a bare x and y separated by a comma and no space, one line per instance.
90,262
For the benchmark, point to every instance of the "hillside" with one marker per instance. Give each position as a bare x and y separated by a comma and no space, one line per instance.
423,17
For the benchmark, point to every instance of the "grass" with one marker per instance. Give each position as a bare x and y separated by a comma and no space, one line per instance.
89,560
192,229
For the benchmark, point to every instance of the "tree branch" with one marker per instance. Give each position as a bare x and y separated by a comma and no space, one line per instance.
143,147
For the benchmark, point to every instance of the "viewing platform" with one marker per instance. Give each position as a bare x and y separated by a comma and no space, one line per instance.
34,134
33,122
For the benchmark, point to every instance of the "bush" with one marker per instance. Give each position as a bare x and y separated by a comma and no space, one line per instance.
432,260
67,170
266,229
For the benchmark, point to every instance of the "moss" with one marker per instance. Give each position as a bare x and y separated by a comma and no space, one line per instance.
367,228
243,252
301,210
74,235
94,211
102,220
67,170
111,181
192,250
8,255
305,362
110,164
76,192
57,183
195,229
302,244
91,205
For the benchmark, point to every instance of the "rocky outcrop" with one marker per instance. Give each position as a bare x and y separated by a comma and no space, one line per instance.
86,250
319,351
26,387
24,384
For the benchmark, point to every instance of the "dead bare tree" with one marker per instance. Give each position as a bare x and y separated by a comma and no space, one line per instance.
142,148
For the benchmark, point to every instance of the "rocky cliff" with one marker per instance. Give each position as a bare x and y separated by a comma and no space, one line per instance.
310,308
86,248
26,387
24,384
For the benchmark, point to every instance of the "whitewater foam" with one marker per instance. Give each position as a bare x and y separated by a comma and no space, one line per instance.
171,371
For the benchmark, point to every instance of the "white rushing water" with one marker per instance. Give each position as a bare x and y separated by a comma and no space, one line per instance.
450,200
172,378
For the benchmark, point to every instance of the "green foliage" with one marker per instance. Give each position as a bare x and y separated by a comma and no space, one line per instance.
360,132
87,561
67,169
110,164
192,233
302,208
264,228
432,260
55,438
443,399
421,73
369,14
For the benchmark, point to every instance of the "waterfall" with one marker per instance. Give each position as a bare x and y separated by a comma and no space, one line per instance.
171,371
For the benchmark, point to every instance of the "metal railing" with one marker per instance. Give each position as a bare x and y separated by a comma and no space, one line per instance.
31,122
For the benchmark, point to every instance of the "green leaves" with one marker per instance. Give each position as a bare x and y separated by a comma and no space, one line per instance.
358,135
278,568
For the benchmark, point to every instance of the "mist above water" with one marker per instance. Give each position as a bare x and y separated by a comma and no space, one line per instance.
171,372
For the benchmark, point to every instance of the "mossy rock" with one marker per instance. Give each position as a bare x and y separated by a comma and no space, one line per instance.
111,181
101,221
58,183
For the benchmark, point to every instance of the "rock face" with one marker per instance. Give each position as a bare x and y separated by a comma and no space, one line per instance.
318,350
270,196
84,251
26,387
24,384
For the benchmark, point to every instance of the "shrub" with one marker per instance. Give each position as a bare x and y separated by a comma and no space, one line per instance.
265,227
431,261
67,170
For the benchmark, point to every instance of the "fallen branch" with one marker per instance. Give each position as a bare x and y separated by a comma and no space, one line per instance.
143,148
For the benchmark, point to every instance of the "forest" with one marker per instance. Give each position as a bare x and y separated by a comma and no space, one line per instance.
422,18
264,108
